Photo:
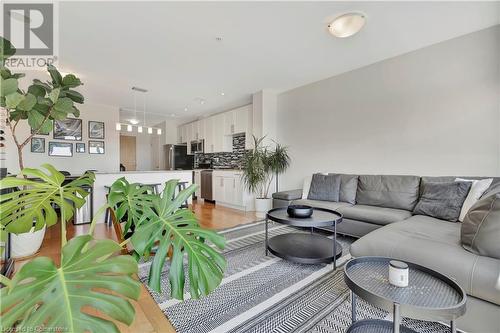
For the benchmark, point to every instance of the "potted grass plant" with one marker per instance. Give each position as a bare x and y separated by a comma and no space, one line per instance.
261,165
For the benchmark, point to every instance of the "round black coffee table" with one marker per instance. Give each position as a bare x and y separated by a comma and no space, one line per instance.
305,248
429,295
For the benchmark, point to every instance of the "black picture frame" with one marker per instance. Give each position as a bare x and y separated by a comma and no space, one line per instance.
38,145
80,147
53,144
94,129
62,129
95,146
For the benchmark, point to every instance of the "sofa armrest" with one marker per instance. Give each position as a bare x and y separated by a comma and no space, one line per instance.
288,195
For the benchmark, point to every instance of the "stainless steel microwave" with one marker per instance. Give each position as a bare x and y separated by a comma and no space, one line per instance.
197,146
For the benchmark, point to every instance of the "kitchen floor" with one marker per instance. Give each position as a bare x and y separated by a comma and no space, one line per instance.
149,318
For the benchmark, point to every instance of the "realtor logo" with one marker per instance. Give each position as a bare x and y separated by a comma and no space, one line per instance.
31,28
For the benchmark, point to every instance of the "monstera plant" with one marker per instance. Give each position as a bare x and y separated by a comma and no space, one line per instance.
160,225
92,274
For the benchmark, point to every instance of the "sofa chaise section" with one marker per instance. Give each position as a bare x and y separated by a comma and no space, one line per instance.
436,244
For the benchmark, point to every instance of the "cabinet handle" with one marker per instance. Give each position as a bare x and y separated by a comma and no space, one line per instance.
232,129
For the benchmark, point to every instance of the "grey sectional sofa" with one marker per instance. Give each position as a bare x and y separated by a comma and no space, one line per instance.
382,219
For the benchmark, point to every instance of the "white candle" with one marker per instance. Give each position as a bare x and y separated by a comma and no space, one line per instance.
398,273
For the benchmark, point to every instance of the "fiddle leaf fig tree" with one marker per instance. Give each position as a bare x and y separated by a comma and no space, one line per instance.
40,104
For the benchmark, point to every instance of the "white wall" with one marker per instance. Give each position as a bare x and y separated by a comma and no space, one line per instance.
434,111
108,162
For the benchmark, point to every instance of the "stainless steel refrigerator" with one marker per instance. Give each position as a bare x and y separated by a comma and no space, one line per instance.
177,158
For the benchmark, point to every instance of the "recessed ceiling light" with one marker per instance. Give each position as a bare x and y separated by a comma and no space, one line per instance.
185,109
134,121
222,93
202,101
347,25
172,115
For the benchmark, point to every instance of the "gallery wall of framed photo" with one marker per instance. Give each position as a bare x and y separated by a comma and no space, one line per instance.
88,142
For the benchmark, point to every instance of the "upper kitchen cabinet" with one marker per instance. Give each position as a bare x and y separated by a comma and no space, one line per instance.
237,121
208,129
222,142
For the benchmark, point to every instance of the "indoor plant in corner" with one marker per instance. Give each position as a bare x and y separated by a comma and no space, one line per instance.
44,296
260,166
39,105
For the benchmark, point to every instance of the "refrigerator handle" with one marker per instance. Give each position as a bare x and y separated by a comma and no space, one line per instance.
171,158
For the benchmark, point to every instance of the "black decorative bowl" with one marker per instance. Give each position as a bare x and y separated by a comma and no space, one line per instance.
299,211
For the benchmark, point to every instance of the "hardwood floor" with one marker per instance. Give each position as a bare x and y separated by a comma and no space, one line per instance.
149,318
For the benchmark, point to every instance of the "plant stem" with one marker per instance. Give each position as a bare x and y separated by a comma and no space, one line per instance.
63,221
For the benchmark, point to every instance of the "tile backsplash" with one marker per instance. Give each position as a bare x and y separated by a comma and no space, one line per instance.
232,160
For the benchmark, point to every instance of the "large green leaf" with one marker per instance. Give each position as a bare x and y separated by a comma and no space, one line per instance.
130,201
169,227
13,100
55,75
6,49
28,102
8,86
37,119
75,96
36,201
43,296
71,81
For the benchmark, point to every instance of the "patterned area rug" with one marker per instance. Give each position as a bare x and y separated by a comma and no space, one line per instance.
267,294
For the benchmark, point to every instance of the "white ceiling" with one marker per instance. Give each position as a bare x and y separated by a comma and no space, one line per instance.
170,48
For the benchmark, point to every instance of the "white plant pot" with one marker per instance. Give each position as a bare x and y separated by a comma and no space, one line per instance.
262,206
27,244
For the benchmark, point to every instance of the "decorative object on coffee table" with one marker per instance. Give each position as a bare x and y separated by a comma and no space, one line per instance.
429,295
305,248
299,211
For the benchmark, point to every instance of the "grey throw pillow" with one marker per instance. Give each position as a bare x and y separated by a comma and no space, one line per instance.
324,187
480,231
442,200
348,187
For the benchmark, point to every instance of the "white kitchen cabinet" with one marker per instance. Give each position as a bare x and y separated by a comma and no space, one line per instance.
240,119
199,130
209,134
228,123
228,190
183,134
221,142
197,181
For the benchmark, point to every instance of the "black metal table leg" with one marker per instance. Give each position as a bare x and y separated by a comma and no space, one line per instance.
335,246
267,251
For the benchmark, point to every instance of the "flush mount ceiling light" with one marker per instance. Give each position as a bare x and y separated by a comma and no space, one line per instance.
134,121
347,25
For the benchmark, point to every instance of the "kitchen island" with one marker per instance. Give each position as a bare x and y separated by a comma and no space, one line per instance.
103,180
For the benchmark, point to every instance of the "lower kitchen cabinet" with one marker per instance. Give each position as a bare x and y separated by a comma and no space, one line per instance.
197,181
228,190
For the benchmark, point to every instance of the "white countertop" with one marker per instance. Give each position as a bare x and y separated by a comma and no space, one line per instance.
135,172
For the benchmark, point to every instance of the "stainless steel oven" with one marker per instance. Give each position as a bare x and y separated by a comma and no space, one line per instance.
197,146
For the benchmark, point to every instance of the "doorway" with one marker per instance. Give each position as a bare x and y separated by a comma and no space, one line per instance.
128,153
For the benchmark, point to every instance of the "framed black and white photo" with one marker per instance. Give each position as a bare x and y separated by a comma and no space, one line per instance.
68,129
96,147
64,149
96,129
80,147
37,145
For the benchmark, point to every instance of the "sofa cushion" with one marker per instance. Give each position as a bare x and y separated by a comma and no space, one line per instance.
480,231
495,184
324,187
348,188
321,204
435,244
288,195
443,200
373,214
400,192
